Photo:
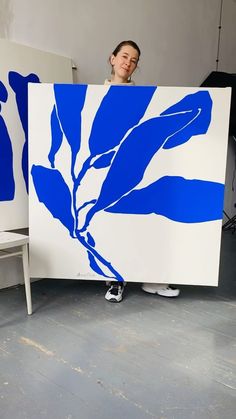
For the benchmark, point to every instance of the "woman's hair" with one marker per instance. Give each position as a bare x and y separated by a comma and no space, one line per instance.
123,43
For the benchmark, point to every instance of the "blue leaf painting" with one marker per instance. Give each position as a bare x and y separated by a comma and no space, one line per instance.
94,265
104,160
19,85
91,240
177,198
122,143
121,108
69,103
3,93
136,152
54,193
57,136
7,183
199,105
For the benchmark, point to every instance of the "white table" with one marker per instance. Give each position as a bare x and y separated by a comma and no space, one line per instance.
10,240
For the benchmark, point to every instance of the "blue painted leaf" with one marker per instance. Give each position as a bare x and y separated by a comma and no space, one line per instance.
3,93
54,193
25,164
93,264
57,136
19,85
90,239
69,102
120,109
200,105
179,199
133,157
104,160
95,256
7,183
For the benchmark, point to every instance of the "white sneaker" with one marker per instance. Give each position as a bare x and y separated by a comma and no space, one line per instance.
115,293
164,290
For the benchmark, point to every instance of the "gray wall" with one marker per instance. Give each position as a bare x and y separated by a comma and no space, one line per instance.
178,40
227,54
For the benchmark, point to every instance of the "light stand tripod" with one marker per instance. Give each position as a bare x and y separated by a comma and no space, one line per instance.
230,224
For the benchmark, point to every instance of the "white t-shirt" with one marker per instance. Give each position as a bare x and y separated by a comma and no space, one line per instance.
110,82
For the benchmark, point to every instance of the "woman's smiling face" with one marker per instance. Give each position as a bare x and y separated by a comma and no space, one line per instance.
124,63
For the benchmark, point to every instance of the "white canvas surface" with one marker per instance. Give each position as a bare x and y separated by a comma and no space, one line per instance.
142,248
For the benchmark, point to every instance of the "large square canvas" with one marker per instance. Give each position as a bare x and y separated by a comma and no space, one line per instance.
20,65
127,183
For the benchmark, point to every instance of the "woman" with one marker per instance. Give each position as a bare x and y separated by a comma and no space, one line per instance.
124,61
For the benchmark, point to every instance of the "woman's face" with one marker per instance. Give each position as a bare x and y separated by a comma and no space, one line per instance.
124,63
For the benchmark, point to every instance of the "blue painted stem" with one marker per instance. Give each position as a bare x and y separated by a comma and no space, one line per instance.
93,201
82,173
101,259
85,168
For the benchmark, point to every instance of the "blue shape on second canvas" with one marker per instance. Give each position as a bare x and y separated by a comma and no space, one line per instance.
7,182
19,85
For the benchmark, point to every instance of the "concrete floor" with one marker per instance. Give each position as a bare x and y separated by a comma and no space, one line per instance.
80,357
